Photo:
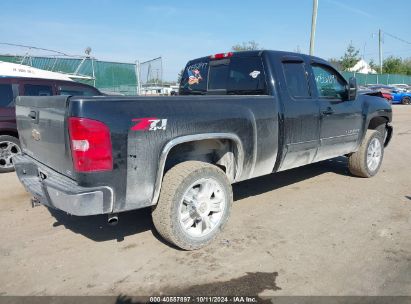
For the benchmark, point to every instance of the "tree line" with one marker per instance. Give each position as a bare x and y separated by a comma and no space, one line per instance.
390,65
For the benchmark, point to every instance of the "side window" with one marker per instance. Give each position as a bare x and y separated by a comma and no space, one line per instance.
329,83
37,90
76,91
296,80
6,95
246,76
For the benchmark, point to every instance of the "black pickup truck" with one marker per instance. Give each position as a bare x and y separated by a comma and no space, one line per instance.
237,116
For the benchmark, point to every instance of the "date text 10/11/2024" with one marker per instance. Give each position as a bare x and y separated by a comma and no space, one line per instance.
203,299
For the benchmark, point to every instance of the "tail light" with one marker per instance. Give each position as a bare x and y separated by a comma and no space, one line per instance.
221,55
90,145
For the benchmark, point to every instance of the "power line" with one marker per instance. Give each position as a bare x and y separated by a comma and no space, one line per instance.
398,38
389,52
381,35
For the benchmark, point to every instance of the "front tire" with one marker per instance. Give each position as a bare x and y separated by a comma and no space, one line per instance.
194,204
383,131
9,147
367,160
406,100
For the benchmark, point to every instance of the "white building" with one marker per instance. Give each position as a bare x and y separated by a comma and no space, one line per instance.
362,66
159,90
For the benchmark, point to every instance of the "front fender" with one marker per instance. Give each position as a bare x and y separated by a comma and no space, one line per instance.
374,107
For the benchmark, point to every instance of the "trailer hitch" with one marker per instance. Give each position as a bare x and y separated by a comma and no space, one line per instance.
35,202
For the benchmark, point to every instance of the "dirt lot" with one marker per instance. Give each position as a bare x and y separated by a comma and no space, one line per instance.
314,230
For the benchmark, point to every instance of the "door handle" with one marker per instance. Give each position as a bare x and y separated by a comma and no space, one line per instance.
328,111
32,115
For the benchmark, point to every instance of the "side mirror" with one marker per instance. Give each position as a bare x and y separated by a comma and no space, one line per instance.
352,88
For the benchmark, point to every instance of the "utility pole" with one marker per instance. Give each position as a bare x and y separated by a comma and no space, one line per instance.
313,26
380,48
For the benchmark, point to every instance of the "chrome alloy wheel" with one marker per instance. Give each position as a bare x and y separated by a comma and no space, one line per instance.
202,207
8,149
374,153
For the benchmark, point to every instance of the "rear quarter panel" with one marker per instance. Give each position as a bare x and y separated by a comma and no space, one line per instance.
136,153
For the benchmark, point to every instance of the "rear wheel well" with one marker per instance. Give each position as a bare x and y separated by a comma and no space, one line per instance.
219,152
10,133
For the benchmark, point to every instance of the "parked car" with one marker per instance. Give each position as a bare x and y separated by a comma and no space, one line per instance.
401,97
237,116
10,88
387,96
401,87
398,97
380,93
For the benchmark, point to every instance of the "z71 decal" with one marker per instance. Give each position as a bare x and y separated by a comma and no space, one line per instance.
149,124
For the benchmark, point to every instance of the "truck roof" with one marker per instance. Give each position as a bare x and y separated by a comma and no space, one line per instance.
260,52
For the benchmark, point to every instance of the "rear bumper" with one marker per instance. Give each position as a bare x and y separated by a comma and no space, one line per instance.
60,192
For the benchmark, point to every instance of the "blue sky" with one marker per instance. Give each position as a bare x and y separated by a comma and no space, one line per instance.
182,30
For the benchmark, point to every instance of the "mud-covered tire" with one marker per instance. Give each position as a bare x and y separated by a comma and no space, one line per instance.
177,182
12,145
358,162
406,100
383,131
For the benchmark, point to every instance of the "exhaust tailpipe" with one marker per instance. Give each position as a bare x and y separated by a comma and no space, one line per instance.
112,219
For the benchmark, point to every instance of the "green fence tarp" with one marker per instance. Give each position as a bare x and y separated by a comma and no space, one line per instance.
109,76
364,79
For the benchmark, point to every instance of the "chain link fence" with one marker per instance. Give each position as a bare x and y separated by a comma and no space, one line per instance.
151,72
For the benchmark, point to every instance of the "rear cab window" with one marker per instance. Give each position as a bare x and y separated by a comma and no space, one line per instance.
233,76
246,76
218,73
194,79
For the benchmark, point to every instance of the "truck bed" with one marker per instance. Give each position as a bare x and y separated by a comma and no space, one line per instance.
251,120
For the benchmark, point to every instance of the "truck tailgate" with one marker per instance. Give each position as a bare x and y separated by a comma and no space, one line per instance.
41,123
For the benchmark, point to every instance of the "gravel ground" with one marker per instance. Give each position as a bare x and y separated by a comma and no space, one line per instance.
314,230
